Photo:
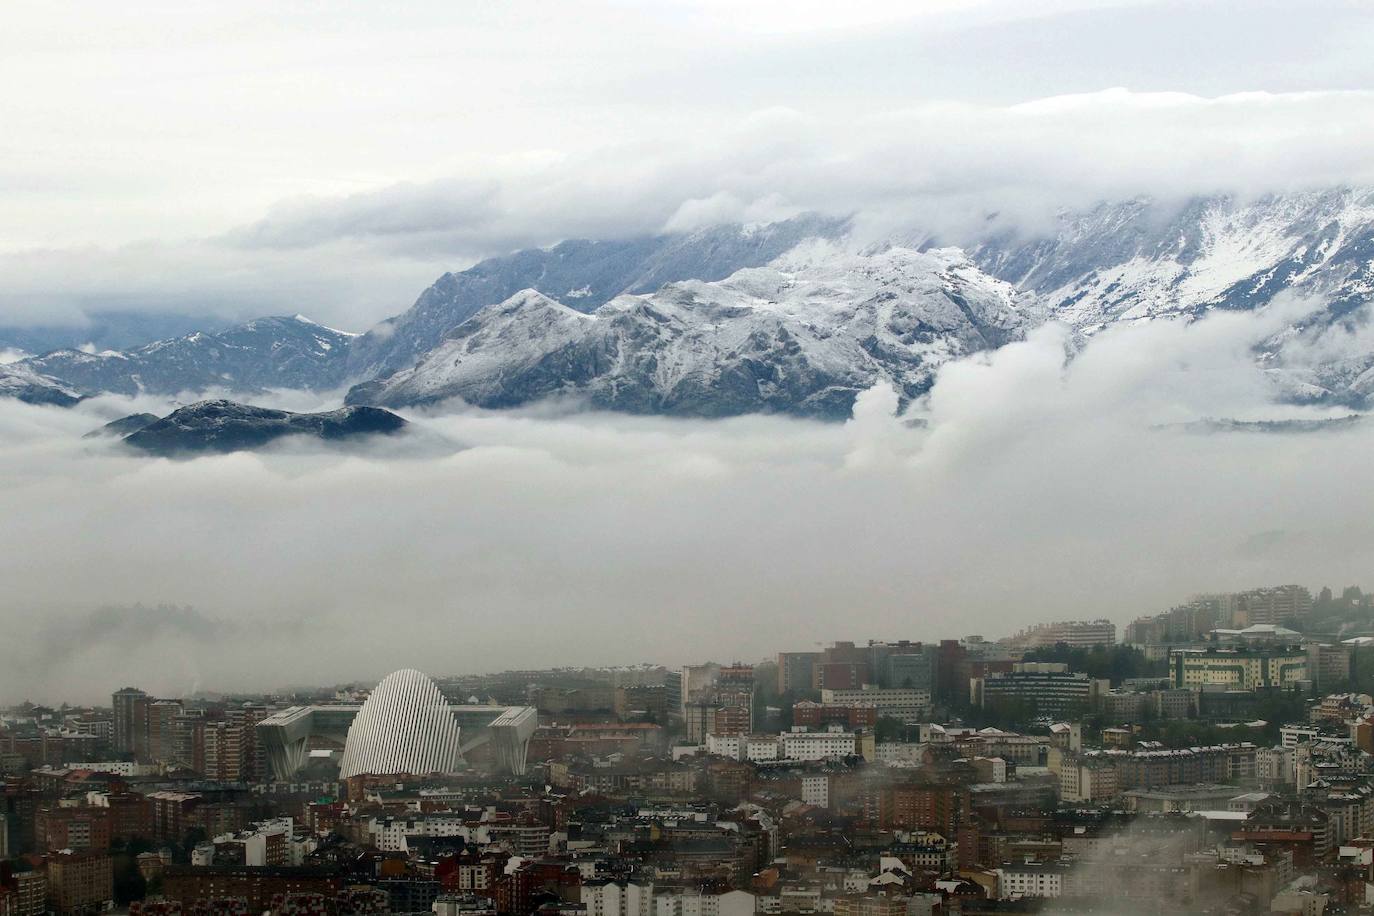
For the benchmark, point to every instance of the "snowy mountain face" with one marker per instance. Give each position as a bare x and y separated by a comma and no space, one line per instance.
261,354
1141,260
802,336
582,274
788,317
25,384
105,330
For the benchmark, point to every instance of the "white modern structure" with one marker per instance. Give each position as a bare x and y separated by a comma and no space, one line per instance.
405,727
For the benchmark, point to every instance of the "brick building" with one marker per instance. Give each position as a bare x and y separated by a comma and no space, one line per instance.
79,882
257,885
72,828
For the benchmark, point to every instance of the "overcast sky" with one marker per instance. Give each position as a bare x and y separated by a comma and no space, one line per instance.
333,158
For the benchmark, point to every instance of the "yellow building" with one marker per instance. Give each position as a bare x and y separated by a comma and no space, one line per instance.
1238,669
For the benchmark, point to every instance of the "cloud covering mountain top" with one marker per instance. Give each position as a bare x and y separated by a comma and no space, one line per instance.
414,143
1040,488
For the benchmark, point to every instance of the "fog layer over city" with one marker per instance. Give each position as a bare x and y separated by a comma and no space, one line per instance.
1027,487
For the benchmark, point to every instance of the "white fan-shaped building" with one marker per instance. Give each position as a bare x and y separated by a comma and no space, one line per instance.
406,726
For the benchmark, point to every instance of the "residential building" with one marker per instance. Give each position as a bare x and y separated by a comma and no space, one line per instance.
1079,634
803,745
1272,605
905,704
79,882
131,722
819,715
603,897
1087,780
86,827
1030,879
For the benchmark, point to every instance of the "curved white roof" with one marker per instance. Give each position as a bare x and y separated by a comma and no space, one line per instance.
406,726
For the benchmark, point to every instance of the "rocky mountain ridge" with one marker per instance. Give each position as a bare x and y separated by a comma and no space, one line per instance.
803,336
221,426
792,317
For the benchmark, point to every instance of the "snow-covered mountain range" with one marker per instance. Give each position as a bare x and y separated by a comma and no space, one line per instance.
26,384
801,336
581,273
792,317
1144,259
251,357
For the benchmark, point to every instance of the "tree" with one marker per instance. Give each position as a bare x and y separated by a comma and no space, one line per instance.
1116,662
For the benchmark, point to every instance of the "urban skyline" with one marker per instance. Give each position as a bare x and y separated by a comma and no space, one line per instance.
686,458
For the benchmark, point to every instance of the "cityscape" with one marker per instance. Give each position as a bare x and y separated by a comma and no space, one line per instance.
686,458
1217,757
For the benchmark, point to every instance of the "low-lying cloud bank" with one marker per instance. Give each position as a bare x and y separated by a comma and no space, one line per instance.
951,169
1039,488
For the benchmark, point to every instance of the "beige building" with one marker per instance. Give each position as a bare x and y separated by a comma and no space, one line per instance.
1087,780
1238,669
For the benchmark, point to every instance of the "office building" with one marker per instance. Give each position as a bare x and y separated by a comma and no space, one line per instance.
1046,687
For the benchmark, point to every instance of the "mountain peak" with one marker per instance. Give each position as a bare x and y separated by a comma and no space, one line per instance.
219,426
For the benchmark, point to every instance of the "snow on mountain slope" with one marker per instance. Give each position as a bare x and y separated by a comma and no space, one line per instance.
1140,259
25,384
581,273
265,353
801,336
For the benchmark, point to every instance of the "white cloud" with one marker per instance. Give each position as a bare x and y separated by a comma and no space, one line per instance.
1042,489
930,168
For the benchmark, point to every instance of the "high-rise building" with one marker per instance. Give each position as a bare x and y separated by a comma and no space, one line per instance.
130,721
188,740
1079,634
951,671
796,671
695,681
717,699
1272,605
162,717
1179,625
79,882
230,745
